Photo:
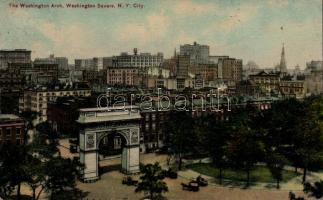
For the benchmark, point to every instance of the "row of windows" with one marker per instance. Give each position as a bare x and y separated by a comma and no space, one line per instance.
291,90
61,93
9,131
153,137
292,84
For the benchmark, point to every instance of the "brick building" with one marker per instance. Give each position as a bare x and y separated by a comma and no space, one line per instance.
12,129
122,76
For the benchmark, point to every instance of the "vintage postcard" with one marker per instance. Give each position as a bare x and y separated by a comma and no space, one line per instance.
161,99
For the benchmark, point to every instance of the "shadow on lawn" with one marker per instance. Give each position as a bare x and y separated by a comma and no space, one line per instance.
233,183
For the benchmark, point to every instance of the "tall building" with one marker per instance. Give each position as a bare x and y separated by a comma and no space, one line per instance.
207,71
199,54
183,63
314,77
61,62
14,56
230,69
282,65
86,64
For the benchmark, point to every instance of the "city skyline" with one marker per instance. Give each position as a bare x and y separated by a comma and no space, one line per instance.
250,30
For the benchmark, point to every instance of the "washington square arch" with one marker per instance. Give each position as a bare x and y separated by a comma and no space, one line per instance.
98,123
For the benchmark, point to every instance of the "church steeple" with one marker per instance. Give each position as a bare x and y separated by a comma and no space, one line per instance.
282,65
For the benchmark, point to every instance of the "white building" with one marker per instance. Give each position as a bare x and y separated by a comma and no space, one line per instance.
36,99
142,60
61,61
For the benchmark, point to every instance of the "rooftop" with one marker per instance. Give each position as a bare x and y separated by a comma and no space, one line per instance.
5,117
118,113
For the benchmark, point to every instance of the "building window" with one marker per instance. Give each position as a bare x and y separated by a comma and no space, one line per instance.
18,141
8,132
18,131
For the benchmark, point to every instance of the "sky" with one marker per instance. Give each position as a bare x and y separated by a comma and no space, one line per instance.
247,29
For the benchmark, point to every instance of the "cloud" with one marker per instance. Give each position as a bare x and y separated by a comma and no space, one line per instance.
187,7
154,27
238,17
278,3
73,39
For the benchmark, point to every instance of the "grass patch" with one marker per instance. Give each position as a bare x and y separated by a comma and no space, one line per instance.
258,174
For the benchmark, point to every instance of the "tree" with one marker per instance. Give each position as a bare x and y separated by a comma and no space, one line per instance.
314,190
61,176
216,142
309,135
180,135
275,162
6,188
30,116
245,148
276,124
152,181
13,167
45,141
36,177
281,124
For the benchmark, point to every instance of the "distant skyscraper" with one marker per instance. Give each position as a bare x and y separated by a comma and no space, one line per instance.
282,65
199,54
183,62
61,61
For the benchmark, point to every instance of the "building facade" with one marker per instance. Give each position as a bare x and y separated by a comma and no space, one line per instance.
141,60
14,56
86,64
62,62
12,129
230,69
123,76
267,81
36,99
292,88
183,64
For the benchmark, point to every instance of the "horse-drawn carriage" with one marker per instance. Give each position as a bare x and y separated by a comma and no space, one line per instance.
191,186
127,180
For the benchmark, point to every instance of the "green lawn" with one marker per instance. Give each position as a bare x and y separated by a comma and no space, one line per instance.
259,174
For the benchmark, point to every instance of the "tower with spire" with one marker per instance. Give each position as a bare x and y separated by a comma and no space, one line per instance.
282,65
